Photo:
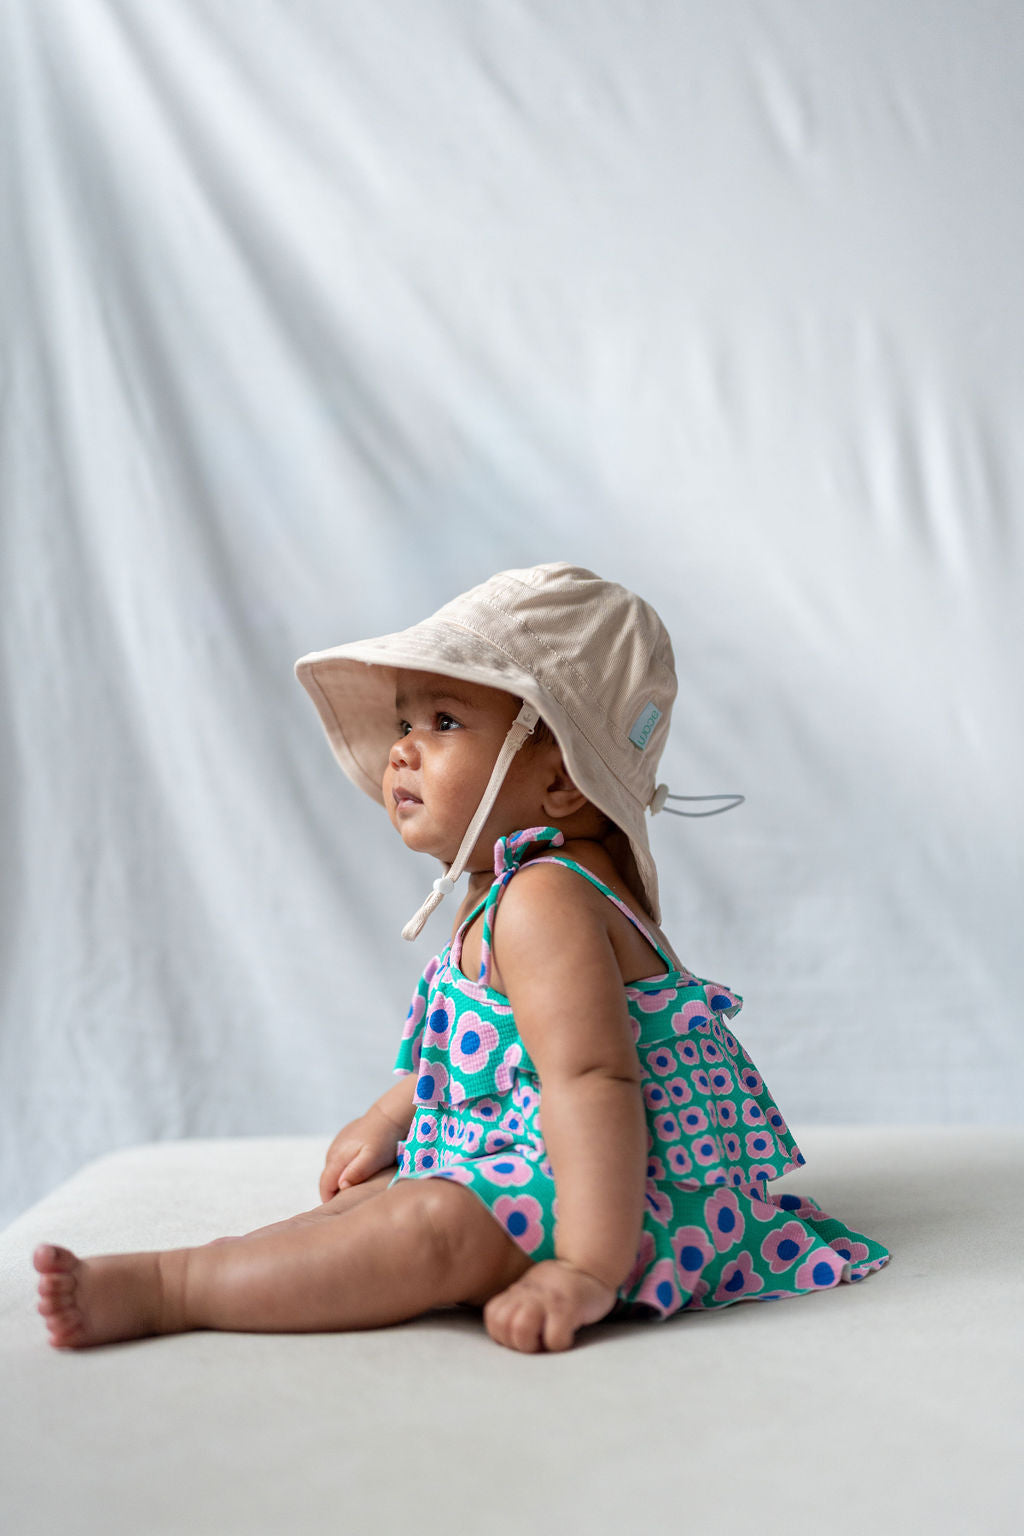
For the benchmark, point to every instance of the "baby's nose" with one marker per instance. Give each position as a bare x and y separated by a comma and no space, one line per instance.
403,752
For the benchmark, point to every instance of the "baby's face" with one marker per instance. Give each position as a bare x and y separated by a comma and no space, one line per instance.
447,738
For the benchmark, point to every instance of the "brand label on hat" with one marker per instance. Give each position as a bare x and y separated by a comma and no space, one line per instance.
645,722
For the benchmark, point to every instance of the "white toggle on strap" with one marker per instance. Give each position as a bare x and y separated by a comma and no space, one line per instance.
661,794
521,727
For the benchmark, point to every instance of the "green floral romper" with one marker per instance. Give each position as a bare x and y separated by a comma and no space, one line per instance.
712,1232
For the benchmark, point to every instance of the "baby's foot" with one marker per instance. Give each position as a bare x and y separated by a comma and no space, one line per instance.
97,1301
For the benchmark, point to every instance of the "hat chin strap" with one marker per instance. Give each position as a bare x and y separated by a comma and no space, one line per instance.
521,727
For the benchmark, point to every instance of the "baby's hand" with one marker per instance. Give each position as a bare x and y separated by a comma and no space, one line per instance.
360,1149
546,1305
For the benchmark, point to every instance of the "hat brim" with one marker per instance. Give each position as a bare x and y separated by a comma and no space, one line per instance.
353,689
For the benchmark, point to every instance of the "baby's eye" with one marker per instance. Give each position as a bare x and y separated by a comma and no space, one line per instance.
404,727
446,722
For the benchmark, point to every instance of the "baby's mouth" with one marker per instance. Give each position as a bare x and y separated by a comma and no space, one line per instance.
404,797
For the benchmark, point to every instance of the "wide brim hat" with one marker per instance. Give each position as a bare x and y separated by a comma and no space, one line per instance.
592,658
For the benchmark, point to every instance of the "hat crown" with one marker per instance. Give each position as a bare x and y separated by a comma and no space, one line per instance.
596,648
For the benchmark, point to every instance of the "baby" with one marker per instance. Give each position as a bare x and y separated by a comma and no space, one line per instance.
575,1131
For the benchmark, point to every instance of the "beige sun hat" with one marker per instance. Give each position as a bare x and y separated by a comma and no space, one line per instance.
586,656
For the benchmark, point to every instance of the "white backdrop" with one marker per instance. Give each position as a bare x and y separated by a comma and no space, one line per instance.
315,314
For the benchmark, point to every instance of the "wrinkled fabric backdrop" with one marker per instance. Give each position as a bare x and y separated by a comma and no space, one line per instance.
315,314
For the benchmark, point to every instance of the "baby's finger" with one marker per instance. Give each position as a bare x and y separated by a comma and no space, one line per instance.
559,1330
499,1316
526,1327
357,1169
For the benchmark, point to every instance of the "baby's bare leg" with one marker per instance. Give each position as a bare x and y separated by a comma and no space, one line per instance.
422,1244
344,1200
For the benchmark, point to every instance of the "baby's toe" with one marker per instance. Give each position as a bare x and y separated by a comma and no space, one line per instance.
50,1259
56,1285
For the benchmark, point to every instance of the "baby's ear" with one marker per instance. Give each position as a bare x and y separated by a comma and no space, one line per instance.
562,797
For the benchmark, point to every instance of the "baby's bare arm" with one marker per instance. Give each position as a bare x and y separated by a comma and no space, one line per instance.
370,1143
562,978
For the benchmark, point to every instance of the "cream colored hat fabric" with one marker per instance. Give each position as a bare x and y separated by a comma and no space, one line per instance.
592,658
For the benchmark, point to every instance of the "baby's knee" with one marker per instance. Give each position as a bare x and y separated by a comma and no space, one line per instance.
434,1222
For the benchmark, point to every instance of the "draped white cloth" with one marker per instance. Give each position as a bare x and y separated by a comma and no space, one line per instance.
315,314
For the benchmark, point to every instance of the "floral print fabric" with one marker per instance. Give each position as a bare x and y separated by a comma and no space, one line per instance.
712,1232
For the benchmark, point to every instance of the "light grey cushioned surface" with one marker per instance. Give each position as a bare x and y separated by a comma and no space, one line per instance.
894,1405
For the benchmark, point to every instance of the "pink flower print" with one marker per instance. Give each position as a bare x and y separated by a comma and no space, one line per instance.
689,1016
696,1301
785,1245
850,1251
687,1052
659,1288
486,1109
440,1018
513,1123
426,1128
667,1127
759,1143
800,1207
679,1161
724,1219
701,1082
720,1000
752,1081
679,1089
506,1070
721,1080
472,1135
692,1253
656,1170
738,1279
762,1209
525,1096
425,1160
431,1083
521,1215
693,1120
417,1008
474,1041
457,1094
725,1113
731,1144
820,1270
730,1042
705,1151
644,1256
658,1203
652,1002
454,1133
506,1170
457,1174
497,1141
661,1061
753,1114
777,1123
655,1096
760,1173
478,993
